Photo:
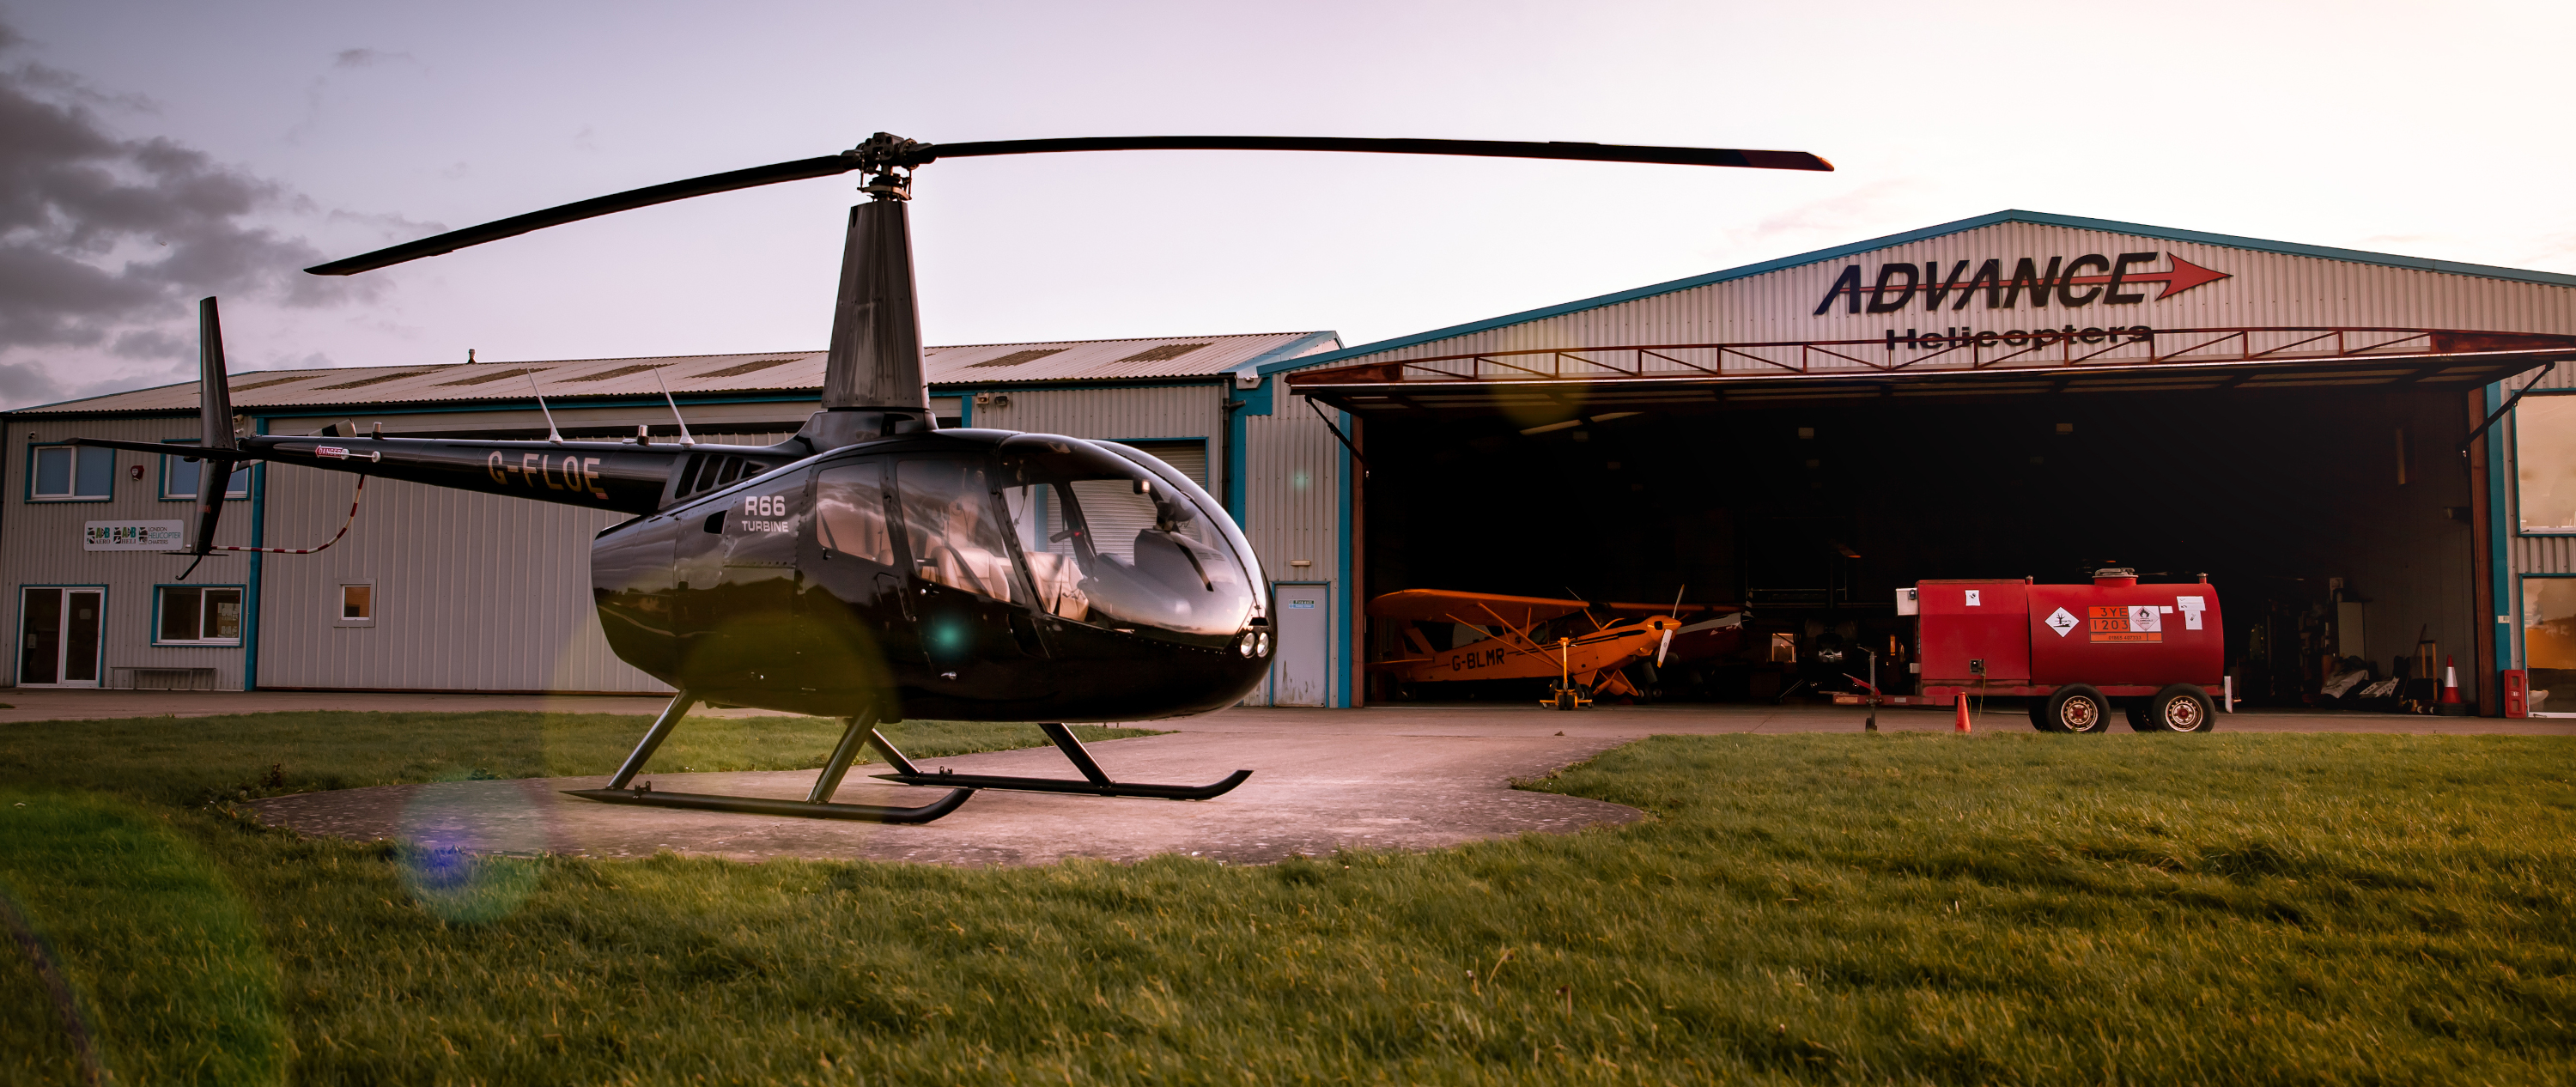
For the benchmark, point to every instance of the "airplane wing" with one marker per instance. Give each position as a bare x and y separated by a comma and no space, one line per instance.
1482,609
1666,608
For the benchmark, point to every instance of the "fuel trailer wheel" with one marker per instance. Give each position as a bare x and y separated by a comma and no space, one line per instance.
2178,708
2076,708
2039,715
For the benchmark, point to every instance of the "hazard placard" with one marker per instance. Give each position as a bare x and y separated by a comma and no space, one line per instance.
2060,621
2116,623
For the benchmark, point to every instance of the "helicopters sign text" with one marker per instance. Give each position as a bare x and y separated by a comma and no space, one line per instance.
2073,284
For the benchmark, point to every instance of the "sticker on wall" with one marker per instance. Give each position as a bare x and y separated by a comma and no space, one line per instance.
1972,598
133,535
1302,605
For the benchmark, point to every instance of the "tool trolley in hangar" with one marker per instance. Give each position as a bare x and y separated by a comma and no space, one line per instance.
2073,650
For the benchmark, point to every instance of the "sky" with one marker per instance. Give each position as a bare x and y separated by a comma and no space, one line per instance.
153,153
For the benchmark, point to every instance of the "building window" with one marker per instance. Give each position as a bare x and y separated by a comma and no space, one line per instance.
2544,460
199,615
357,606
67,473
179,477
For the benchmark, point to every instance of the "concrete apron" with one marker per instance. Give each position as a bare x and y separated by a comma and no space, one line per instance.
1309,793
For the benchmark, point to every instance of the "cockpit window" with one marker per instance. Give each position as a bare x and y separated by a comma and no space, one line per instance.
950,526
1112,543
849,504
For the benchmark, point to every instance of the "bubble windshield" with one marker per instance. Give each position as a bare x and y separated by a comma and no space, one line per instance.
1113,543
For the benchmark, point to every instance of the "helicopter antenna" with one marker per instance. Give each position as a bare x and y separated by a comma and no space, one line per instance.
552,435
675,408
1677,600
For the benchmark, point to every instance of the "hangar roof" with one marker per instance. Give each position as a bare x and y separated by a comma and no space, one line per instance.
2200,237
702,375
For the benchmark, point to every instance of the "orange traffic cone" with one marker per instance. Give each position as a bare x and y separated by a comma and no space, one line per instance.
2450,704
1962,726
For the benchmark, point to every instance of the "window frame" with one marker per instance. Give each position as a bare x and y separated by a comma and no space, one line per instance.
2513,447
160,593
340,606
169,459
74,495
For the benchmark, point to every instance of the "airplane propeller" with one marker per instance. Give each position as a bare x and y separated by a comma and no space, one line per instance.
884,153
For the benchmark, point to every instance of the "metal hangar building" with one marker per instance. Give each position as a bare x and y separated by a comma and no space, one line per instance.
441,590
2371,457
2013,395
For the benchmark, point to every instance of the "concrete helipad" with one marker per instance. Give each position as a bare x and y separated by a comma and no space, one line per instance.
1311,792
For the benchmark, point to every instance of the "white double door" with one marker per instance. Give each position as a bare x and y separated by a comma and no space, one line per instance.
58,635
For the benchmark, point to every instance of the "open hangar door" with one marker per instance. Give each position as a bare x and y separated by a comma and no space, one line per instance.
2336,518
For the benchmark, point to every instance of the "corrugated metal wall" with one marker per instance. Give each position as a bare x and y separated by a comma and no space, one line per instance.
1292,500
1151,411
473,592
43,547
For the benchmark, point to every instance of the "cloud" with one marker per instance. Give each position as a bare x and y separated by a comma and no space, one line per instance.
106,241
366,58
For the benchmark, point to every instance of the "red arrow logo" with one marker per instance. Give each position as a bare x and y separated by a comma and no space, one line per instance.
2184,276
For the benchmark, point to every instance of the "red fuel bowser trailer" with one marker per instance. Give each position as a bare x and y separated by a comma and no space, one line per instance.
2073,650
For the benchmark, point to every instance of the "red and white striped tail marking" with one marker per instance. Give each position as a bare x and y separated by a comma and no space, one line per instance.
354,496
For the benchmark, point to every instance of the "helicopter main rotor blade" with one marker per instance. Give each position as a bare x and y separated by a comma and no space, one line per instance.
885,152
799,170
1516,149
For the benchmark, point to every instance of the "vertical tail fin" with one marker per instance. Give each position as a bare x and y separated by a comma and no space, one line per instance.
215,421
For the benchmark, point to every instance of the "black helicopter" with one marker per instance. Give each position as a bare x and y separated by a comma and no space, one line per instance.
874,566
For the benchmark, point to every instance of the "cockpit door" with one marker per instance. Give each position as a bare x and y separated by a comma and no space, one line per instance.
736,585
863,613
968,590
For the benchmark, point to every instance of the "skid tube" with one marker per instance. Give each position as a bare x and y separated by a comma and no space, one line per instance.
816,805
1095,781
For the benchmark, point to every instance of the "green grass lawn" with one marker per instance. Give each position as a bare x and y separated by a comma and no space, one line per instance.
1815,908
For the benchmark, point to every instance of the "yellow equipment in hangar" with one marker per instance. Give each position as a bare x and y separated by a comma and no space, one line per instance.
1504,639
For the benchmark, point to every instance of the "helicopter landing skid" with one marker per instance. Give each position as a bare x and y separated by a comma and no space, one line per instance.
817,803
1095,781
761,805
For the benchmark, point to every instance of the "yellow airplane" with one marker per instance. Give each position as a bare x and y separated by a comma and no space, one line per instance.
1513,645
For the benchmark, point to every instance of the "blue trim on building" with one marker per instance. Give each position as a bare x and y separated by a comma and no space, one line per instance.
2198,237
2500,525
1350,654
258,561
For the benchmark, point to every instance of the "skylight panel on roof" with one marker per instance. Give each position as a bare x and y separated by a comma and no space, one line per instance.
621,371
740,369
496,375
269,382
1166,351
1017,357
379,379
